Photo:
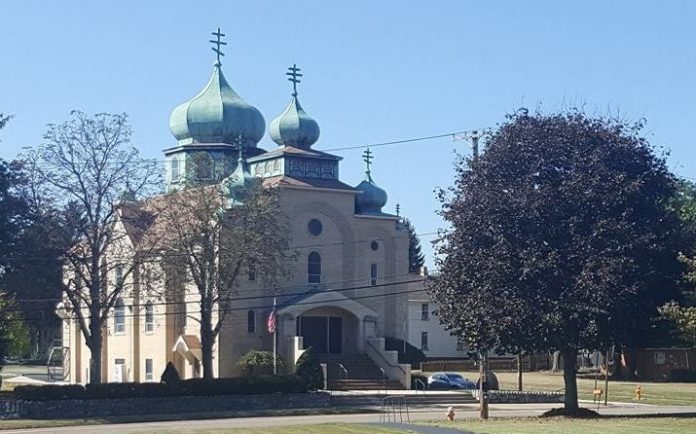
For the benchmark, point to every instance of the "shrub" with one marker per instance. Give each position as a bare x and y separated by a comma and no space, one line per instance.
192,387
50,392
309,369
683,375
170,374
412,355
259,360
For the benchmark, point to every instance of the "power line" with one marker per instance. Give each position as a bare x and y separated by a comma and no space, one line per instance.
304,246
269,306
272,288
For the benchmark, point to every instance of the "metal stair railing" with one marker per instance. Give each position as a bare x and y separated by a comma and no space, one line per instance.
392,407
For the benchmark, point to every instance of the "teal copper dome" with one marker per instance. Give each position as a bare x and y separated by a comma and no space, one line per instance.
371,198
234,186
217,114
294,127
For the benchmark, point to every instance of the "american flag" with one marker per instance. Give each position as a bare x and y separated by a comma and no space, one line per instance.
272,320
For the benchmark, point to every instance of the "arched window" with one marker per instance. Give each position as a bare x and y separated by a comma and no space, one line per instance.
149,317
175,169
314,268
119,316
373,274
251,322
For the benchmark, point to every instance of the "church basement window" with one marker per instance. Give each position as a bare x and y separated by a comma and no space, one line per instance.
149,376
314,268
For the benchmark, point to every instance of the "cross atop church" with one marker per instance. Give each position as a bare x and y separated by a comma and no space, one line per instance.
217,43
294,73
398,210
367,158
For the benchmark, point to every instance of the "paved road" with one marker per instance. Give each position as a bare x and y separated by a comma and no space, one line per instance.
427,413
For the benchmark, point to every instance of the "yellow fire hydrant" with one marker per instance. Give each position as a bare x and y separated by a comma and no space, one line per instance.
450,414
639,392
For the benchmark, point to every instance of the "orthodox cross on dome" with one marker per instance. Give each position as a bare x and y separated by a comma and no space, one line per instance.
294,74
218,42
367,158
398,210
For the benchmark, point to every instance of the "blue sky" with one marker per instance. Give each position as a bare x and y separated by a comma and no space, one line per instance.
374,71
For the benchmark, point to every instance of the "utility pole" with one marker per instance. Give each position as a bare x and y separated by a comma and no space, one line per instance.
474,138
483,385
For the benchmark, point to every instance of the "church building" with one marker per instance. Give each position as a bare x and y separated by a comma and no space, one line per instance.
347,290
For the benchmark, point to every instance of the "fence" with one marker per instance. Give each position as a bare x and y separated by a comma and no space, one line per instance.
530,362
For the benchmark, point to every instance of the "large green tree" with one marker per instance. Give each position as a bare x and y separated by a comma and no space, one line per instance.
561,238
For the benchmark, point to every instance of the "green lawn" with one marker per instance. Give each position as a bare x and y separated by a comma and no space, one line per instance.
653,393
570,426
329,428
47,423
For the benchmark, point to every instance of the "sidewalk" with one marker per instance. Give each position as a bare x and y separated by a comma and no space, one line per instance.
416,414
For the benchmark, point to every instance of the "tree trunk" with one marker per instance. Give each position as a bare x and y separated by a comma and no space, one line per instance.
207,342
555,366
570,380
618,372
519,371
95,343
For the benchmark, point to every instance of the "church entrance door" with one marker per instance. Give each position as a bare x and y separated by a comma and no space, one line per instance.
323,333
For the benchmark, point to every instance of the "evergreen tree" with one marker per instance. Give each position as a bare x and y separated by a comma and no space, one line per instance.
416,259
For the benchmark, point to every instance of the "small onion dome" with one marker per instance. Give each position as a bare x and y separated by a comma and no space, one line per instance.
234,185
294,127
217,115
371,198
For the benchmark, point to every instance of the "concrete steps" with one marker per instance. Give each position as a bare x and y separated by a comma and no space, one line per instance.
361,373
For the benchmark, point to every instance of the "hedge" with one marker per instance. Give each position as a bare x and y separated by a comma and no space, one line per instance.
683,375
192,387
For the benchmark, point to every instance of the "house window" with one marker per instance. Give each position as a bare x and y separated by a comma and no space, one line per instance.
252,271
251,322
119,317
660,358
314,268
425,312
148,370
373,274
149,317
175,169
424,341
119,275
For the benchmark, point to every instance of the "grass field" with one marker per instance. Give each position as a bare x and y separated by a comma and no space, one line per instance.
652,393
572,426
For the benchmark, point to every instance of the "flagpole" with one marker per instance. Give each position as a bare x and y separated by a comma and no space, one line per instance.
275,328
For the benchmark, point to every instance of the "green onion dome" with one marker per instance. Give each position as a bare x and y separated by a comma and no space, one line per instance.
294,127
217,115
371,198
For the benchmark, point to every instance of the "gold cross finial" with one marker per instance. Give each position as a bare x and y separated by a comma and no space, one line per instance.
217,43
294,74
